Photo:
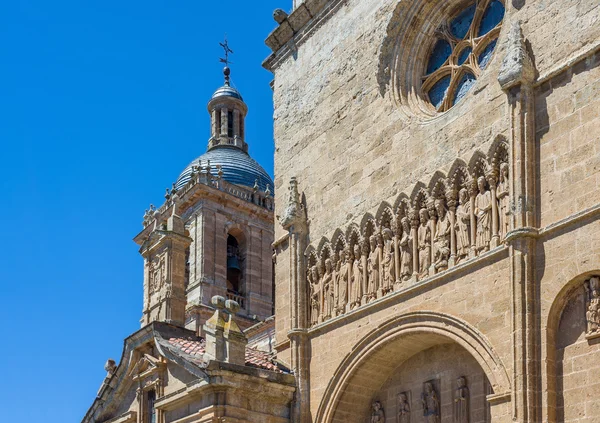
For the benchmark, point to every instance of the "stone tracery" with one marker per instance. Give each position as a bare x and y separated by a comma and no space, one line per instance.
453,219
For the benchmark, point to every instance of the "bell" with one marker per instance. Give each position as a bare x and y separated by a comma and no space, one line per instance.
233,263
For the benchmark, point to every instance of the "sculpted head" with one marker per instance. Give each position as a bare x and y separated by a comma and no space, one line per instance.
461,382
481,183
504,171
328,266
463,195
405,225
423,216
440,207
314,272
372,242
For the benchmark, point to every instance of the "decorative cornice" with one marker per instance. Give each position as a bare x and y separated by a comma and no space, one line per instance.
297,28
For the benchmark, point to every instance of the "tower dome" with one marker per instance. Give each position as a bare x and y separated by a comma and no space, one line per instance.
227,147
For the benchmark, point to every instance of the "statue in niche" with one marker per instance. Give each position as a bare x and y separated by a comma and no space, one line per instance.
441,239
483,213
431,404
327,286
377,413
373,268
388,261
315,295
503,200
343,272
405,246
463,224
403,408
335,281
424,238
592,288
356,282
461,401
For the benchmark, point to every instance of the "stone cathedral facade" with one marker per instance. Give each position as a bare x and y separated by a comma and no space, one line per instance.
438,252
433,252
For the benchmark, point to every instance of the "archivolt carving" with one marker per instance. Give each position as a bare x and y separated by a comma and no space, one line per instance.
455,217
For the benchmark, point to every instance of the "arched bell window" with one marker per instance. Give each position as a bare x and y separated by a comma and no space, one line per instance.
462,50
235,266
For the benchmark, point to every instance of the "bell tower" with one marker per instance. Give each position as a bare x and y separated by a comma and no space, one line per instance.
213,236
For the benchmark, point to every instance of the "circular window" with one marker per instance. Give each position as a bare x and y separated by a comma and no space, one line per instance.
434,51
463,48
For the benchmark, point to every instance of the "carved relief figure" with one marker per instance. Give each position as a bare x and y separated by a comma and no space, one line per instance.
431,404
373,268
356,288
377,414
315,295
335,282
463,224
441,240
403,415
483,212
157,276
461,401
405,243
592,314
344,271
327,290
388,261
424,238
503,200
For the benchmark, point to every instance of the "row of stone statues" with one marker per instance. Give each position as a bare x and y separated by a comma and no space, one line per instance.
430,402
418,243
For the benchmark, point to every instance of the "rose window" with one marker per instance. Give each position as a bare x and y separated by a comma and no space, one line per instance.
463,48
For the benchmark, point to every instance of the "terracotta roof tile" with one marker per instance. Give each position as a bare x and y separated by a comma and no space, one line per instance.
196,346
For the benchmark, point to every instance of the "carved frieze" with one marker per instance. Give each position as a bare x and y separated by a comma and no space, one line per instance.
459,218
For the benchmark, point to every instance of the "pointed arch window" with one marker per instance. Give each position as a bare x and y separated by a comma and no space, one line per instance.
462,49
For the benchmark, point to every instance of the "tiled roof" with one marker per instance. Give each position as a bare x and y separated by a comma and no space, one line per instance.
195,348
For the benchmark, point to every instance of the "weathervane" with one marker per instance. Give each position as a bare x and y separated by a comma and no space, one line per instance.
228,51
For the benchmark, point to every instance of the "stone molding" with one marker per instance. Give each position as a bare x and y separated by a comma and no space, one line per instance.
424,323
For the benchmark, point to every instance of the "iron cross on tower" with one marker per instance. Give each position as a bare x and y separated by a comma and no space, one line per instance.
228,51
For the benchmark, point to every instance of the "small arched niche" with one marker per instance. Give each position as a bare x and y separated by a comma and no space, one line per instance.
236,265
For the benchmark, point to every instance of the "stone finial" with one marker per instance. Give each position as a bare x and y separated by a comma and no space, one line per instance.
294,213
280,16
110,367
517,66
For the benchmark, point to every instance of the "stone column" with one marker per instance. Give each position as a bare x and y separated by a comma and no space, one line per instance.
224,120
414,225
472,186
516,77
432,230
398,279
492,178
365,279
451,201
294,220
213,120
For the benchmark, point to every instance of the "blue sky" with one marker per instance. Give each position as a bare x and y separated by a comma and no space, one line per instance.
102,104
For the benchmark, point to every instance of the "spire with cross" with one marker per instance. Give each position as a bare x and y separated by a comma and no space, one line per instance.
228,51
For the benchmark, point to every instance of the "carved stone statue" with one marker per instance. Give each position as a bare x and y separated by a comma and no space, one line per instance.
406,245
431,404
315,295
483,212
388,261
327,286
373,268
503,200
441,239
463,224
403,407
344,271
592,314
377,414
461,401
335,281
424,238
356,282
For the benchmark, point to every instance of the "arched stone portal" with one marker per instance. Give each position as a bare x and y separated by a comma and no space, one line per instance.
363,373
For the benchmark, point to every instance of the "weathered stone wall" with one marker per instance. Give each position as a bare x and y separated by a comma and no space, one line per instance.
351,148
